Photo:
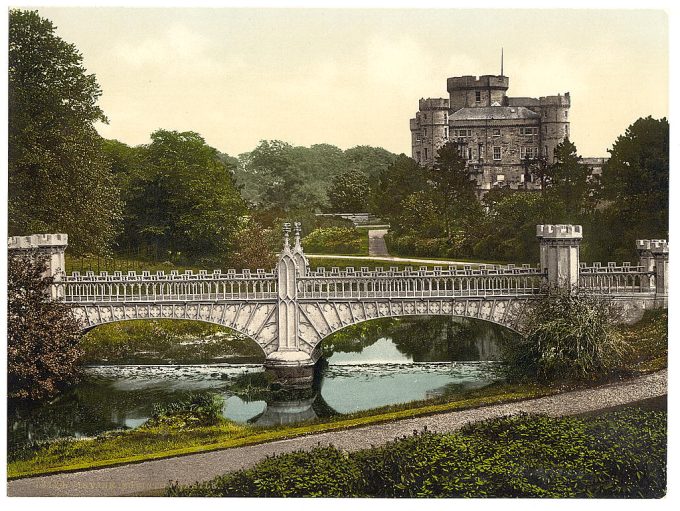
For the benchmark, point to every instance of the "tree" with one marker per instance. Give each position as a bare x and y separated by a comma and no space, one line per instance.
185,201
255,247
635,187
59,178
42,335
454,189
349,192
568,180
508,232
396,182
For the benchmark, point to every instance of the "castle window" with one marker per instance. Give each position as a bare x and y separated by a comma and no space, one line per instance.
478,96
418,156
565,114
497,132
496,153
469,153
500,177
528,131
529,152
418,139
425,153
446,132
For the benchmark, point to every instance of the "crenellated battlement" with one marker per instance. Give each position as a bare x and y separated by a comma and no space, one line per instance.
473,82
559,231
433,104
659,246
37,241
559,100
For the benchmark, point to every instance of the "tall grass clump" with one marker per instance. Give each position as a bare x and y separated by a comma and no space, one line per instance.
194,410
567,336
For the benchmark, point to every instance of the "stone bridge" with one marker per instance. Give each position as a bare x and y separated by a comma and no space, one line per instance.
289,310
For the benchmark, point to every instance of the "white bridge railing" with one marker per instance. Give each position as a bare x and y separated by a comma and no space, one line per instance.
616,279
483,281
162,287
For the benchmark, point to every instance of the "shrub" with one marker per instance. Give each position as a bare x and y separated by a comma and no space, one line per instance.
322,472
616,454
567,336
194,410
42,335
336,240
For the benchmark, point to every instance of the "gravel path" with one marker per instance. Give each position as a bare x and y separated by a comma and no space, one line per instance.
152,476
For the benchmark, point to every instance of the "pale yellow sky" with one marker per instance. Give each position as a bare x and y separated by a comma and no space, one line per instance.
354,77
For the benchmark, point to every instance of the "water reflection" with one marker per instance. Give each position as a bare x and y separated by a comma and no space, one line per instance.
370,365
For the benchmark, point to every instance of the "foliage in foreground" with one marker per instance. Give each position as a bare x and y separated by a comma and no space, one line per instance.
42,335
569,336
616,454
204,409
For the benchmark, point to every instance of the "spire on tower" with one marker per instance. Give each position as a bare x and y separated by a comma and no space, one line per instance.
501,61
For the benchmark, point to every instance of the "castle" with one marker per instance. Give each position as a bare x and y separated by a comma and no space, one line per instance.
499,136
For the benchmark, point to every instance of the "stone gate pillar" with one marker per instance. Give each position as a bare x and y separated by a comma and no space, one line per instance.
644,249
290,364
659,249
559,254
52,246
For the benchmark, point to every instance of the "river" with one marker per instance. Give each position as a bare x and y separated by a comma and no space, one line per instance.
375,364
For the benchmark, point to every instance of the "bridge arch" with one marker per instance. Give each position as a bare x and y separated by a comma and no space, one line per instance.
320,320
238,319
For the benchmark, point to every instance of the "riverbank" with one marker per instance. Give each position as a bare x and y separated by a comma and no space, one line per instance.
152,476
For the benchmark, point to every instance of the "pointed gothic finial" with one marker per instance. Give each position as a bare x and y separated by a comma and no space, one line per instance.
286,234
296,225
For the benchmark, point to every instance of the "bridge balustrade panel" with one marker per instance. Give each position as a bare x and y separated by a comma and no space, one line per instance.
616,279
161,287
437,283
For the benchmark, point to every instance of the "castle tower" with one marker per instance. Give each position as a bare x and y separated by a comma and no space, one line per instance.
554,111
470,91
429,129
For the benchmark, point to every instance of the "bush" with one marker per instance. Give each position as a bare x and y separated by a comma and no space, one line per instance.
616,454
567,336
322,472
192,411
42,335
336,240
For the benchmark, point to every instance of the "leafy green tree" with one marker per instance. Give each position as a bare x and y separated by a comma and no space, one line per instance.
371,161
635,183
396,182
42,335
568,180
59,178
349,192
508,231
185,201
454,190
255,246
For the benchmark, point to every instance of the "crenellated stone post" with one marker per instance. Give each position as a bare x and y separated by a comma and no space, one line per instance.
290,364
559,254
51,245
644,249
659,249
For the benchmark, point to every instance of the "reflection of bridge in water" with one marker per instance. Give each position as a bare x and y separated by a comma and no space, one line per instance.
289,310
